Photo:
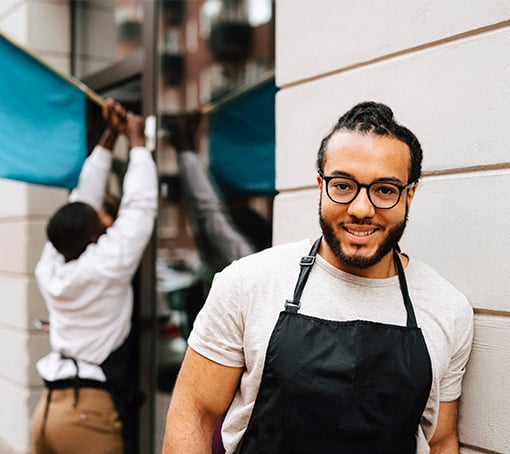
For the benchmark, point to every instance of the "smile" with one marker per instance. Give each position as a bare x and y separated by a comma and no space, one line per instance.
358,233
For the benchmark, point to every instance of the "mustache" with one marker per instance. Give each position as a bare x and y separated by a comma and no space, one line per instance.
354,221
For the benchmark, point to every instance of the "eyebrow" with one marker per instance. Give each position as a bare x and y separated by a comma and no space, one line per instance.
341,173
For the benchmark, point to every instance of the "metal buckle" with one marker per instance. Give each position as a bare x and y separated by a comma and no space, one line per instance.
292,306
307,260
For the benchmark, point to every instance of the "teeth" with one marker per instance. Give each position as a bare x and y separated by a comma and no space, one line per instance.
354,232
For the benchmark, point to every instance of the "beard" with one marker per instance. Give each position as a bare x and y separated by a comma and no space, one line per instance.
389,243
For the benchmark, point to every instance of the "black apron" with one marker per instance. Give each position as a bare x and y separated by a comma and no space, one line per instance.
121,383
121,377
353,387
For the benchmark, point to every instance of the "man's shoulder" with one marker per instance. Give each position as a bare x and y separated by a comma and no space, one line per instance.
427,282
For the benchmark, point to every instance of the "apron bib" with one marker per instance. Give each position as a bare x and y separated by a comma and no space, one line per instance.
353,387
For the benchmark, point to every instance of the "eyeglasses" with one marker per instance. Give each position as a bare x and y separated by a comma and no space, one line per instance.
382,194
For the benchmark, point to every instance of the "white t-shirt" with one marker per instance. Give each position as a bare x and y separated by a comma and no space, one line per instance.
90,300
246,298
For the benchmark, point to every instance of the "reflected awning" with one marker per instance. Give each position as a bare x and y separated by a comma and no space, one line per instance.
242,142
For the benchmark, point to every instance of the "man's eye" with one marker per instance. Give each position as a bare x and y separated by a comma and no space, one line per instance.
386,190
343,186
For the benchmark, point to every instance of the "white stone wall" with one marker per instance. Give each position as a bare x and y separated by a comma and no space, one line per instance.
43,26
444,68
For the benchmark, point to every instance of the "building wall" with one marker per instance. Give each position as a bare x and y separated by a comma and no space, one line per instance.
44,27
443,68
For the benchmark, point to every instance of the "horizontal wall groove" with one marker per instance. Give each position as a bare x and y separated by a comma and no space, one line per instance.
15,275
468,169
481,450
491,312
408,51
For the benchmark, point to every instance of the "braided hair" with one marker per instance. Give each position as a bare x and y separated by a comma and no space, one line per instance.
375,118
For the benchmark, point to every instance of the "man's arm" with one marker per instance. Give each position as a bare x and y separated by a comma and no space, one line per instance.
211,224
445,439
202,393
96,168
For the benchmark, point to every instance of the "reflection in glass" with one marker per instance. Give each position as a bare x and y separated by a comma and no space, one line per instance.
106,32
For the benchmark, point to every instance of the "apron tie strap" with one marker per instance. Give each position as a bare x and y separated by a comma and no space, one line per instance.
46,410
76,381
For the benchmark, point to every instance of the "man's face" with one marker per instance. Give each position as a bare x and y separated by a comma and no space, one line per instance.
358,237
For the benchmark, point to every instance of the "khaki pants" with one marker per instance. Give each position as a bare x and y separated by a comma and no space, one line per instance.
92,427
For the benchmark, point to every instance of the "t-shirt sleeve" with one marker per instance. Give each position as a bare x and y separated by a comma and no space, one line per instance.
451,382
218,329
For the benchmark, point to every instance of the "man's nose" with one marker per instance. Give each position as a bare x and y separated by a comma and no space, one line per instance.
361,207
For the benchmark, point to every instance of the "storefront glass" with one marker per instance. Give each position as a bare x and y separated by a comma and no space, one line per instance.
106,31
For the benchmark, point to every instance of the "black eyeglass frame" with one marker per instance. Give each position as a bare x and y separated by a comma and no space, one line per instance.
401,188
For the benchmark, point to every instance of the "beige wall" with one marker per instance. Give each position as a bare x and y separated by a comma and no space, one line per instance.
443,67
44,27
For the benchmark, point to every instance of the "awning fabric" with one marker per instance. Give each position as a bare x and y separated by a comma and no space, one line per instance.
42,118
242,142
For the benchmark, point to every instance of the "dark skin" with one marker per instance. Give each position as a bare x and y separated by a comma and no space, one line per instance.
115,117
183,131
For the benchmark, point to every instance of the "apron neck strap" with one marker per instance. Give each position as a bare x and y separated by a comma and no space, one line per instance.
411,318
305,264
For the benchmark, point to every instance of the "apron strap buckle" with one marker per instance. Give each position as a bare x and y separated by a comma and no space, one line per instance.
307,260
292,306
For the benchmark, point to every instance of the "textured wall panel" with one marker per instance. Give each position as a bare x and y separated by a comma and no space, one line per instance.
50,27
21,244
484,411
296,216
19,199
21,301
324,36
455,98
459,225
19,359
17,403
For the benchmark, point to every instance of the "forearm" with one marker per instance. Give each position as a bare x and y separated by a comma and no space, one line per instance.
448,445
188,433
445,439
93,179
210,223
109,138
202,393
197,187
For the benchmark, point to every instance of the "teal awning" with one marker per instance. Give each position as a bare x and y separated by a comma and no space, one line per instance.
242,142
43,135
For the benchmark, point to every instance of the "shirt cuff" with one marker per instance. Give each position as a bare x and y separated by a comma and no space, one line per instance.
102,154
137,153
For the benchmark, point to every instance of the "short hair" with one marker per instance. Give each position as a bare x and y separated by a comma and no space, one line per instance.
72,228
375,118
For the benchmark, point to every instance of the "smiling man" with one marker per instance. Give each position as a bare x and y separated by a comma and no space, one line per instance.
345,345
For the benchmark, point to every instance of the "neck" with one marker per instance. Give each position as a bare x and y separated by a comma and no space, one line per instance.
383,269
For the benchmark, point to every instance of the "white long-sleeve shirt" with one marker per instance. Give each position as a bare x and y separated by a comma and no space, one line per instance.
220,242
90,299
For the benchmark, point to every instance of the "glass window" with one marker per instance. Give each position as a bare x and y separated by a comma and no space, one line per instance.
106,31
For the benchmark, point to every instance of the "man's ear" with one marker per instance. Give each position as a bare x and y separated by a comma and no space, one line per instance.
410,194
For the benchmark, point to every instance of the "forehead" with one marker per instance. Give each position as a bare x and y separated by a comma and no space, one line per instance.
367,156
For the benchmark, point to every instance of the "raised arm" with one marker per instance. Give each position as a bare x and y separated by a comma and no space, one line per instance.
123,244
211,223
202,393
96,168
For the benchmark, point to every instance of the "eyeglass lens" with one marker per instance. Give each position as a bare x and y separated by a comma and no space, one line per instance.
381,194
